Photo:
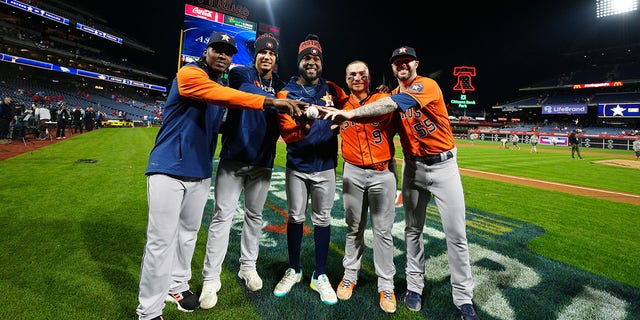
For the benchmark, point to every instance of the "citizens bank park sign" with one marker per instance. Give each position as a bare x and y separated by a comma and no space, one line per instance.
225,6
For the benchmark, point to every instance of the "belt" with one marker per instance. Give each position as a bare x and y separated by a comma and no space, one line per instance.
432,159
380,166
185,179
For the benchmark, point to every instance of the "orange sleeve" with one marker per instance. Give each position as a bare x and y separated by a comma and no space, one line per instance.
290,130
373,97
194,83
341,96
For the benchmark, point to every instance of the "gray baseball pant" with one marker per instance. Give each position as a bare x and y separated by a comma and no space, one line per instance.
175,215
231,178
442,180
366,190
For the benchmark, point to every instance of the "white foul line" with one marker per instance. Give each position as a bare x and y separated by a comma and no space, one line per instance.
554,183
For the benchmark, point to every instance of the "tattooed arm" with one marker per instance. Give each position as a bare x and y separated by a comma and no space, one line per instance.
377,108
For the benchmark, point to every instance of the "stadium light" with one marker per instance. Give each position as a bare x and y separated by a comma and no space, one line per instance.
606,8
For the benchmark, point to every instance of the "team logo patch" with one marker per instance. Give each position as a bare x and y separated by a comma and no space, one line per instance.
328,99
416,88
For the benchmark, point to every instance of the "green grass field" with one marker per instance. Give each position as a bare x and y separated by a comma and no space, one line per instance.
74,231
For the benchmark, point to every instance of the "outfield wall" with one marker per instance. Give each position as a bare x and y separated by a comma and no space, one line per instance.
594,141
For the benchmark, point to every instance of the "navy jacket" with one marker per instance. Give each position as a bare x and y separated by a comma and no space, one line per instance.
318,150
192,117
250,136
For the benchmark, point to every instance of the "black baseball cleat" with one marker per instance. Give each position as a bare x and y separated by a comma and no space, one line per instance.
468,312
413,300
186,300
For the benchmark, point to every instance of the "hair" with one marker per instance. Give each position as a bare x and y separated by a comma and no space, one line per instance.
354,62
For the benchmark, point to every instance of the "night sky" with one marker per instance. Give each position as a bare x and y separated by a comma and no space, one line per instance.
511,45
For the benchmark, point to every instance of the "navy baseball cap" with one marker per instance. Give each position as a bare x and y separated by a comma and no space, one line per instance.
221,37
403,51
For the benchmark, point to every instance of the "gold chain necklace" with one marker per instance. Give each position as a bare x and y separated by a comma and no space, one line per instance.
270,80
313,90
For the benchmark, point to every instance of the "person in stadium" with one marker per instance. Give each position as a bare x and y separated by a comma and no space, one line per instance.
430,170
7,115
534,142
62,120
503,143
514,141
76,119
248,150
368,184
146,121
636,147
574,143
179,173
312,158
43,115
89,118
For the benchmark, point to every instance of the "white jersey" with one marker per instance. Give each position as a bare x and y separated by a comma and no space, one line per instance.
43,113
534,139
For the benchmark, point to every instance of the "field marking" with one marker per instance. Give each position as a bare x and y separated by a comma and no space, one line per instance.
586,191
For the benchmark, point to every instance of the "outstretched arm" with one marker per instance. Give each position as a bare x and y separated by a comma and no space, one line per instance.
376,108
288,106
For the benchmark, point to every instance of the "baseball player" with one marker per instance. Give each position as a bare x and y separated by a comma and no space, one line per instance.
636,147
179,173
246,162
574,142
312,157
368,183
430,170
534,142
514,141
503,143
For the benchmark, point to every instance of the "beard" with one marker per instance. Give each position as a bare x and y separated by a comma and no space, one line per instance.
309,75
403,75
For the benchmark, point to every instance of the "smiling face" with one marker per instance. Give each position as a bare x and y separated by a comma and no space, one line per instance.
219,56
265,61
404,68
357,77
310,68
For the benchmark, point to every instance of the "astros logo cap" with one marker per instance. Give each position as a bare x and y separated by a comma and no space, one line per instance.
403,51
221,37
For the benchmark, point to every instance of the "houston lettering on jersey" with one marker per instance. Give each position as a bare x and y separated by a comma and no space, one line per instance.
364,144
425,128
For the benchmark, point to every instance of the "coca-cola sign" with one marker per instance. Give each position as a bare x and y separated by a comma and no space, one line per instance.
198,12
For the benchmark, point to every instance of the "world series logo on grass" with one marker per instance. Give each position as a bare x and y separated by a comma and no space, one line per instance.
511,282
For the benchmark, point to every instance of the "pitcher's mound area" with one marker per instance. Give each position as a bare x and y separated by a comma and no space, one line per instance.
635,164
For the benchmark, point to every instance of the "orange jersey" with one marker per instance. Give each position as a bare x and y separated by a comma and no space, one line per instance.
365,144
290,130
424,128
